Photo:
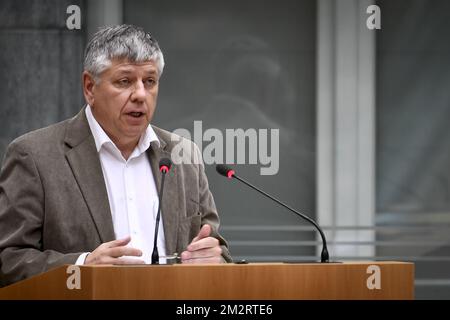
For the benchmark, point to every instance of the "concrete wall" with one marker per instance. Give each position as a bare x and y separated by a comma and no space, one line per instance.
40,66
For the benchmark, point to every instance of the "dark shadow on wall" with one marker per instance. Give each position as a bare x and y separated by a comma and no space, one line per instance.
41,66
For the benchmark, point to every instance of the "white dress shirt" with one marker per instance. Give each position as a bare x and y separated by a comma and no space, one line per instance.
132,193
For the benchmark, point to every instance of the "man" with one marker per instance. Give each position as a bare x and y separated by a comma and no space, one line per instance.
84,190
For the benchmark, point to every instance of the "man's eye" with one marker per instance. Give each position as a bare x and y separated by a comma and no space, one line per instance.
150,82
123,82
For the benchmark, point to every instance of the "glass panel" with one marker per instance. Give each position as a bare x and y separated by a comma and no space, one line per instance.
413,135
241,64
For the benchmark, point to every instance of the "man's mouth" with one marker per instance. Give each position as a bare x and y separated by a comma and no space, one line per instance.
136,114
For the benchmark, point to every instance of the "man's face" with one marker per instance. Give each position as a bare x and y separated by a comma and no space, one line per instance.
124,99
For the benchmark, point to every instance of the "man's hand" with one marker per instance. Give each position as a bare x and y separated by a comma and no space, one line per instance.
112,252
203,248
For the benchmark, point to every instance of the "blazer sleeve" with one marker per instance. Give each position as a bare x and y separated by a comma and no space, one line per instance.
22,211
208,207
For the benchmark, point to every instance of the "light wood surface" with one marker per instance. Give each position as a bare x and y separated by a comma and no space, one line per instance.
222,282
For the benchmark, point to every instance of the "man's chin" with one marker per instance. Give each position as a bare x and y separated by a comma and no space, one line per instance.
135,133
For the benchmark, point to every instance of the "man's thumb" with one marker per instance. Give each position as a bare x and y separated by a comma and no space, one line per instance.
204,232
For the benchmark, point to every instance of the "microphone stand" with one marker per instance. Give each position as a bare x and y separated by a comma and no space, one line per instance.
155,254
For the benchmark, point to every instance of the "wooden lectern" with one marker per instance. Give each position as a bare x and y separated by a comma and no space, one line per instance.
261,281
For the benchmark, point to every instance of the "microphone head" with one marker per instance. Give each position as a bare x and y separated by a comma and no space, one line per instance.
164,165
225,170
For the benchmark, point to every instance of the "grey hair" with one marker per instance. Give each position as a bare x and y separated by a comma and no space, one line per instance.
121,42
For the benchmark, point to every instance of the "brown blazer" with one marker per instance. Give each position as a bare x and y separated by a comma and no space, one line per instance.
54,204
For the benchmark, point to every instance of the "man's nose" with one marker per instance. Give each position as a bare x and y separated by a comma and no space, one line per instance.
139,92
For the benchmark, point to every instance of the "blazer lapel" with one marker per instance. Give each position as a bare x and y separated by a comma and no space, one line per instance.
85,164
170,202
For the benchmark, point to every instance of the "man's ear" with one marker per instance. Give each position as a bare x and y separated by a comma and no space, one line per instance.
88,87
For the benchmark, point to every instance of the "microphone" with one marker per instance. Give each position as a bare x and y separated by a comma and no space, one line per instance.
229,173
164,167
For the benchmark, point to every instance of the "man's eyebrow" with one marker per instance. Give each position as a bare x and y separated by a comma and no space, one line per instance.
126,71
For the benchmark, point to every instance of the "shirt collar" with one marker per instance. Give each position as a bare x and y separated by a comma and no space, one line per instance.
101,138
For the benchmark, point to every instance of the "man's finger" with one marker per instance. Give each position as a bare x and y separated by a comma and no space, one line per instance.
204,253
204,232
124,251
204,243
118,243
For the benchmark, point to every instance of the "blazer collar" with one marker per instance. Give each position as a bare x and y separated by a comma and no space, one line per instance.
84,161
